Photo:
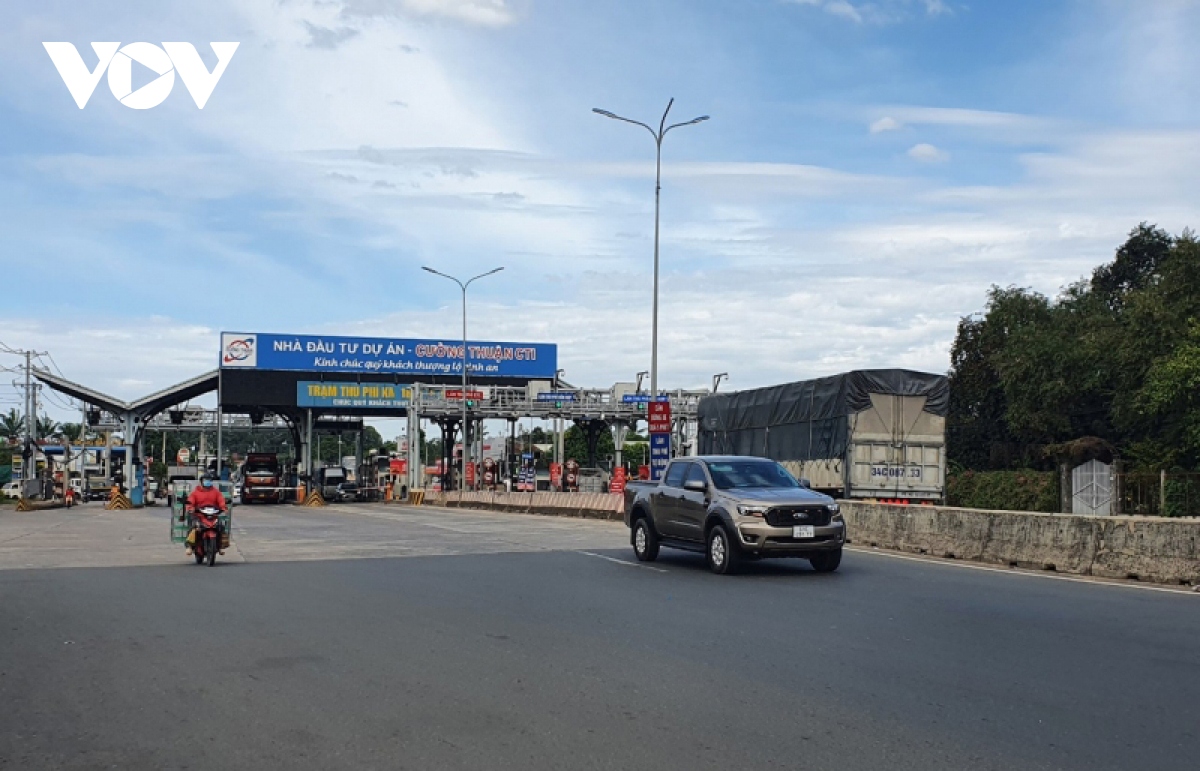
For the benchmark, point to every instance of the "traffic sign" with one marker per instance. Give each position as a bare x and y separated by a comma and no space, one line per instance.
456,393
556,396
183,456
660,454
658,415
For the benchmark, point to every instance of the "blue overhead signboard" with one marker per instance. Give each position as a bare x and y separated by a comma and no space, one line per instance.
375,355
556,396
312,393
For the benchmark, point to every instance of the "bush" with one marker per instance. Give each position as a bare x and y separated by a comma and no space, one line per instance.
1183,496
1021,490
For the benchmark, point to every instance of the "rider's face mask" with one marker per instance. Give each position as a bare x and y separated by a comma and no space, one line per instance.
207,483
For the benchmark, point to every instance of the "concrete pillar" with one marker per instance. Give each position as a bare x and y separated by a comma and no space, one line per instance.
1064,486
129,424
413,478
620,429
308,440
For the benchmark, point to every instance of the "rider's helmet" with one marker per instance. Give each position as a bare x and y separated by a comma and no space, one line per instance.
206,480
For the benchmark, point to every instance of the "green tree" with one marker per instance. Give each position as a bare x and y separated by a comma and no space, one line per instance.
47,427
12,425
1113,357
72,432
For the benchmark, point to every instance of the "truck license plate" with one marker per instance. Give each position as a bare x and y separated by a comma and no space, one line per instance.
802,531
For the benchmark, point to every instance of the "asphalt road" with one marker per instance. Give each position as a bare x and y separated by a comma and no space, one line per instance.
373,637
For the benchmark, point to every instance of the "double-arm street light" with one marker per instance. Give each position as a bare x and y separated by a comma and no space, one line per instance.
663,128
463,287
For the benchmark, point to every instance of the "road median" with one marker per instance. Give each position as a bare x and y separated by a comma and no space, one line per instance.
584,505
1154,549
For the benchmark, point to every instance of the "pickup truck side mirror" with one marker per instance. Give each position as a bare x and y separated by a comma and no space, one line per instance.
806,484
695,486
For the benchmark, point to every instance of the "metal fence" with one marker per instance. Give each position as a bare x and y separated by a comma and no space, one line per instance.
1159,493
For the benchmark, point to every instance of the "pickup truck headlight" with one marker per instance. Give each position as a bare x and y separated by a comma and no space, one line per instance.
752,511
835,512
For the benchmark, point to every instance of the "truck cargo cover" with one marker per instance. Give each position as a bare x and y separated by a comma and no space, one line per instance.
806,420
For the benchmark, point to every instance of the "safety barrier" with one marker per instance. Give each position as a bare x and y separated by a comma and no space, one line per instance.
23,504
1146,548
314,499
591,505
415,497
118,501
299,495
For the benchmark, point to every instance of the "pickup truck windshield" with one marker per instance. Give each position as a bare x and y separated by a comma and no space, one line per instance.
734,475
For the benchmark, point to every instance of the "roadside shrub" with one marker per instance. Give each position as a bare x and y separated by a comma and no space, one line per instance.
1020,490
1183,496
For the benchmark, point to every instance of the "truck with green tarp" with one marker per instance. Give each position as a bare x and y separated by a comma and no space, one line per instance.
878,434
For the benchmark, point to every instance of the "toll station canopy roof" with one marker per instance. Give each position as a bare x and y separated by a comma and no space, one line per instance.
146,406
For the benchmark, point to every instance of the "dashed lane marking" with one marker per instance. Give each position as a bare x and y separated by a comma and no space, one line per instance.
623,562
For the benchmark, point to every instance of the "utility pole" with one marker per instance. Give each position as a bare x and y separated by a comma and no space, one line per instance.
33,432
663,128
466,460
30,426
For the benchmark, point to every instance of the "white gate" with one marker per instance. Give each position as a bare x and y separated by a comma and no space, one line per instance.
1091,489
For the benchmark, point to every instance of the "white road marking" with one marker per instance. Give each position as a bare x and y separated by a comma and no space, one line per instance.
623,562
1092,580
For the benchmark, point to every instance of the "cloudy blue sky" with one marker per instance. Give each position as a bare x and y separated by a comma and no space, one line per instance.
870,169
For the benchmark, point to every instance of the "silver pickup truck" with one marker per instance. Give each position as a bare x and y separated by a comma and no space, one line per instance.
734,508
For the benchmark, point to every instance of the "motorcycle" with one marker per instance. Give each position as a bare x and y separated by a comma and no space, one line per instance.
207,527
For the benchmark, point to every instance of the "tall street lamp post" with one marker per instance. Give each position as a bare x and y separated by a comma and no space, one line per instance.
461,285
663,128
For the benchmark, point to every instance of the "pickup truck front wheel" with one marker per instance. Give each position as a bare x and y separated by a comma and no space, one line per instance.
826,561
721,554
645,542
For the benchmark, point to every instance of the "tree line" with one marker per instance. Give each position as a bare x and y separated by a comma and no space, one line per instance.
1112,363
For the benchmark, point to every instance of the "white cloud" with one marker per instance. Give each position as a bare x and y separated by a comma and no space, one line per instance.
808,284
486,13
844,9
967,118
328,37
936,7
886,124
878,11
927,153
817,269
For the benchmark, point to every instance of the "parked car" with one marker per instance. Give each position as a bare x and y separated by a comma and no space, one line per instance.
12,490
734,508
346,492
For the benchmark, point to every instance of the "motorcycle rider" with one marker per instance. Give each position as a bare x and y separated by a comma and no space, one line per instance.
206,494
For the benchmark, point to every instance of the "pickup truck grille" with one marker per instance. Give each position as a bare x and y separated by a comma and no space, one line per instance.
786,516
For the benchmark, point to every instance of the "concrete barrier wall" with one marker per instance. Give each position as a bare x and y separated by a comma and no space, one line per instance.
1148,548
591,505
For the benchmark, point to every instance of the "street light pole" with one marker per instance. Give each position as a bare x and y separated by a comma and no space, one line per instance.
463,287
658,140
